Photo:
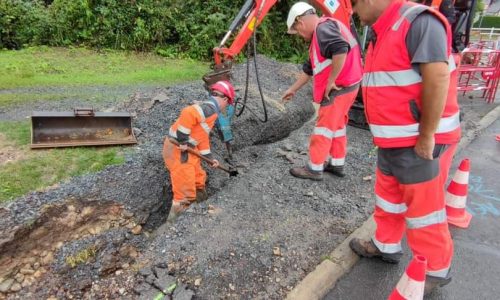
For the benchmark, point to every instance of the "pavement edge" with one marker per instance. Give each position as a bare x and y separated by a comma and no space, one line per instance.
324,277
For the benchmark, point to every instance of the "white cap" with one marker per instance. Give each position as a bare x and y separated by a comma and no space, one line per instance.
298,9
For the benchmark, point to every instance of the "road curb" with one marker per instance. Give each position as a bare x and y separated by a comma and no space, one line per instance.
485,121
320,281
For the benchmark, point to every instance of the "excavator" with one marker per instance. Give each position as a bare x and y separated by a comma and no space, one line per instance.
460,14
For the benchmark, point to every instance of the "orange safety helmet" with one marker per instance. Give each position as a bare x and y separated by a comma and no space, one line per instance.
226,88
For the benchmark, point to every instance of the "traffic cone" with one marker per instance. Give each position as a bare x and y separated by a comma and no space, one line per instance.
412,283
456,196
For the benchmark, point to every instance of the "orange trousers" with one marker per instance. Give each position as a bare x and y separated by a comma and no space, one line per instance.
329,136
186,177
416,207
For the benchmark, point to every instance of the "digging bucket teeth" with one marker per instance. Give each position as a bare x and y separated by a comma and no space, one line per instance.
81,127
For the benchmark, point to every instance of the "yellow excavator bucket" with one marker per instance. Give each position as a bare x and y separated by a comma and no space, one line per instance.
81,127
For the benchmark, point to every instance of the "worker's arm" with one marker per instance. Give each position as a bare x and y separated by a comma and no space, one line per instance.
435,82
337,65
187,119
299,83
426,43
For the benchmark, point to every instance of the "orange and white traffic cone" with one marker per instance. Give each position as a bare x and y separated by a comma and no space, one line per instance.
412,283
456,196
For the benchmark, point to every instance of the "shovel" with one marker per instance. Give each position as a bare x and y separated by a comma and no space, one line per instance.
196,153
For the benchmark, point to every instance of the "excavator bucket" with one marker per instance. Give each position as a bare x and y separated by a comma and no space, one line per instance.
81,127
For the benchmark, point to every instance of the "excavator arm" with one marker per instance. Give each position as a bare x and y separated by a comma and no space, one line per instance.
249,18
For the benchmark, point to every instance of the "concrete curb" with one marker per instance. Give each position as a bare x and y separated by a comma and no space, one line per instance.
320,281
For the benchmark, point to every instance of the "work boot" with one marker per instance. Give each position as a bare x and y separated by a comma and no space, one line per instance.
201,195
432,283
335,170
177,208
368,249
304,173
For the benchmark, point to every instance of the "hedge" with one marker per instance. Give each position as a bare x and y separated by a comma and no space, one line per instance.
185,28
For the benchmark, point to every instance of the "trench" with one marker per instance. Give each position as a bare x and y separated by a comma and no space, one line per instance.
48,236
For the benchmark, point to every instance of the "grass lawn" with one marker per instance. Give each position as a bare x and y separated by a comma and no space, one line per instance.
42,66
68,68
41,168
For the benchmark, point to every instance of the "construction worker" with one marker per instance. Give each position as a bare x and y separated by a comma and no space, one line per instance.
335,65
410,92
192,129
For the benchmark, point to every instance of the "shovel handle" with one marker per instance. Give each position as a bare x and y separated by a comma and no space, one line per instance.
196,153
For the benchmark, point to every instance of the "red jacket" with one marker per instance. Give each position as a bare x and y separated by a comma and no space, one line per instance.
392,89
350,74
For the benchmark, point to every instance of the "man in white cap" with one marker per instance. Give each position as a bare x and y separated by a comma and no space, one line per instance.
335,66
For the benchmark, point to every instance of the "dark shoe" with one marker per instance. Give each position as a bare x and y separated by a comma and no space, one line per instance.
368,249
304,173
201,195
335,170
432,283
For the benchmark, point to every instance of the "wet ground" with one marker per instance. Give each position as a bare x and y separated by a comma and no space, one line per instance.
256,237
476,262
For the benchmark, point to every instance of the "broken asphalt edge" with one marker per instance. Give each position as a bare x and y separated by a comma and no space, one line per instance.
324,277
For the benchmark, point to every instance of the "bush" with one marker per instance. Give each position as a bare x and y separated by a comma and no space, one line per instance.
22,22
175,28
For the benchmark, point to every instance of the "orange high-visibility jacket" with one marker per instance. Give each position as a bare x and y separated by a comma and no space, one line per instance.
392,89
196,121
351,72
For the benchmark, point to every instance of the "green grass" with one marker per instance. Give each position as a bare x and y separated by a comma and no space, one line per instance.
42,66
16,132
42,168
71,69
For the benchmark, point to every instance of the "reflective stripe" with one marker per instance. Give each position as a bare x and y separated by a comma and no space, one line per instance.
173,134
387,248
205,127
205,152
409,288
443,273
315,167
436,217
396,25
320,66
337,161
347,32
446,124
323,131
398,78
183,129
339,133
390,207
390,79
451,64
455,201
200,111
461,177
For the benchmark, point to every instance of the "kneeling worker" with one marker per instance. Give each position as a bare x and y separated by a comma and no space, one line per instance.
192,129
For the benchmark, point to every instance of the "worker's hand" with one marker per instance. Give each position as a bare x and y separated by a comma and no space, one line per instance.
332,87
183,147
425,147
288,95
215,164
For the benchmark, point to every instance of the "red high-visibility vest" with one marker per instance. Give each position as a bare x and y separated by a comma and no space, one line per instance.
351,73
392,89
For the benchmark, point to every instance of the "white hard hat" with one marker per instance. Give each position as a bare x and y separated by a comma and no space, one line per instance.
298,9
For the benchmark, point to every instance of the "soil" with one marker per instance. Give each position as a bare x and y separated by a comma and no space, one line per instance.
258,235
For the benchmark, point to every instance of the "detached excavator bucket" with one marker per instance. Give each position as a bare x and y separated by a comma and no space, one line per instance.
81,127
